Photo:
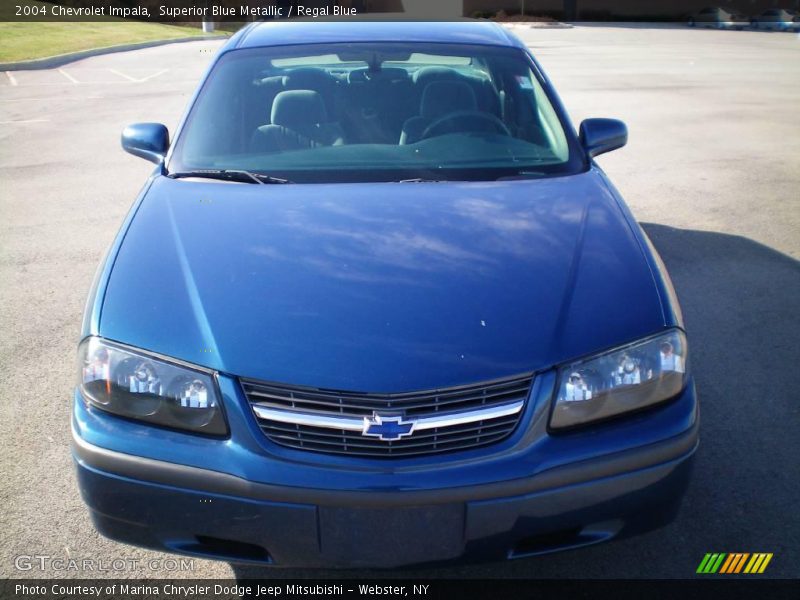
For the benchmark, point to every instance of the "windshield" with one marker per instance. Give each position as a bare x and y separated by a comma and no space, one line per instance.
376,112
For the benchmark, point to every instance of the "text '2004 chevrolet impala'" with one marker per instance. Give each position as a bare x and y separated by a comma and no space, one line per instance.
378,306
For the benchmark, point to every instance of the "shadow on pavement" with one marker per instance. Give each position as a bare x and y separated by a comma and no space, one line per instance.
741,303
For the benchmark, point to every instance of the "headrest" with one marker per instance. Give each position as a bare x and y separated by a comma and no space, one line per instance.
299,110
308,78
443,97
426,75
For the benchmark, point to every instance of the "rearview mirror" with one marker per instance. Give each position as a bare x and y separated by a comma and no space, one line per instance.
146,140
602,135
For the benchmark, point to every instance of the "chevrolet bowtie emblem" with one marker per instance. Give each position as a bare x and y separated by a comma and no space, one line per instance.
387,427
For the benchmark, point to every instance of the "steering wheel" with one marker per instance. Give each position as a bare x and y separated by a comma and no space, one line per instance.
463,121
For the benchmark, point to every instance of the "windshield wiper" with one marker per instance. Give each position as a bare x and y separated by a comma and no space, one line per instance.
523,175
239,175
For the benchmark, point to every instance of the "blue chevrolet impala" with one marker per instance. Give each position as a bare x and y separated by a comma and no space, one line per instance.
378,306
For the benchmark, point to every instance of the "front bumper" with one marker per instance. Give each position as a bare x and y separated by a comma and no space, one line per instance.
387,519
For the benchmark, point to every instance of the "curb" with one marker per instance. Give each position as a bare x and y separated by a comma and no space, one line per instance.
51,62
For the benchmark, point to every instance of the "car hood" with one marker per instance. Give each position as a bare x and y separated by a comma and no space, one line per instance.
380,287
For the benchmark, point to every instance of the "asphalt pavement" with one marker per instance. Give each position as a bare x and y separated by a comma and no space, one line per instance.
712,169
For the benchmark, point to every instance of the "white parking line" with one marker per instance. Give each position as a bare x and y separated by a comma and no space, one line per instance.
68,76
128,77
161,72
11,78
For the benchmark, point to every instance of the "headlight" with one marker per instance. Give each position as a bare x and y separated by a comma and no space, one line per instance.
135,384
622,380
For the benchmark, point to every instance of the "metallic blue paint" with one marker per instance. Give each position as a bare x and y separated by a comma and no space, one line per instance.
455,283
172,518
146,140
381,288
599,136
247,453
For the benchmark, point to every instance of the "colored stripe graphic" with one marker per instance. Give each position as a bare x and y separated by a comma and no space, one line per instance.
734,563
717,564
703,563
765,563
758,563
754,563
726,564
711,563
731,561
741,562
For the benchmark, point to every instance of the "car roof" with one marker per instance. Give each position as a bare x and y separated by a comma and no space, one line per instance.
300,32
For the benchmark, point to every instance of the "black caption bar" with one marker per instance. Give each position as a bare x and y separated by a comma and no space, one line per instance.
434,589
193,11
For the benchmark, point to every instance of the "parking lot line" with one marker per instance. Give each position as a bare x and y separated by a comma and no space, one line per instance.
161,72
128,77
70,77
11,78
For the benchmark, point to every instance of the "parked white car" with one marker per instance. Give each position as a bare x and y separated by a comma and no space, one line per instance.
777,19
717,18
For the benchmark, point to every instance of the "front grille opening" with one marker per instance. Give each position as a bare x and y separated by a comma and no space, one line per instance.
365,403
229,549
445,439
547,542
410,405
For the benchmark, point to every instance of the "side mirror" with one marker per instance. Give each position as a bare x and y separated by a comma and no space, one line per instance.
146,140
602,135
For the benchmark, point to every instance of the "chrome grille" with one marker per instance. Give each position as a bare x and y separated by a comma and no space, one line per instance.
279,409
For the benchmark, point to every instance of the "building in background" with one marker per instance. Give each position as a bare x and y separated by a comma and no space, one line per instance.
570,10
